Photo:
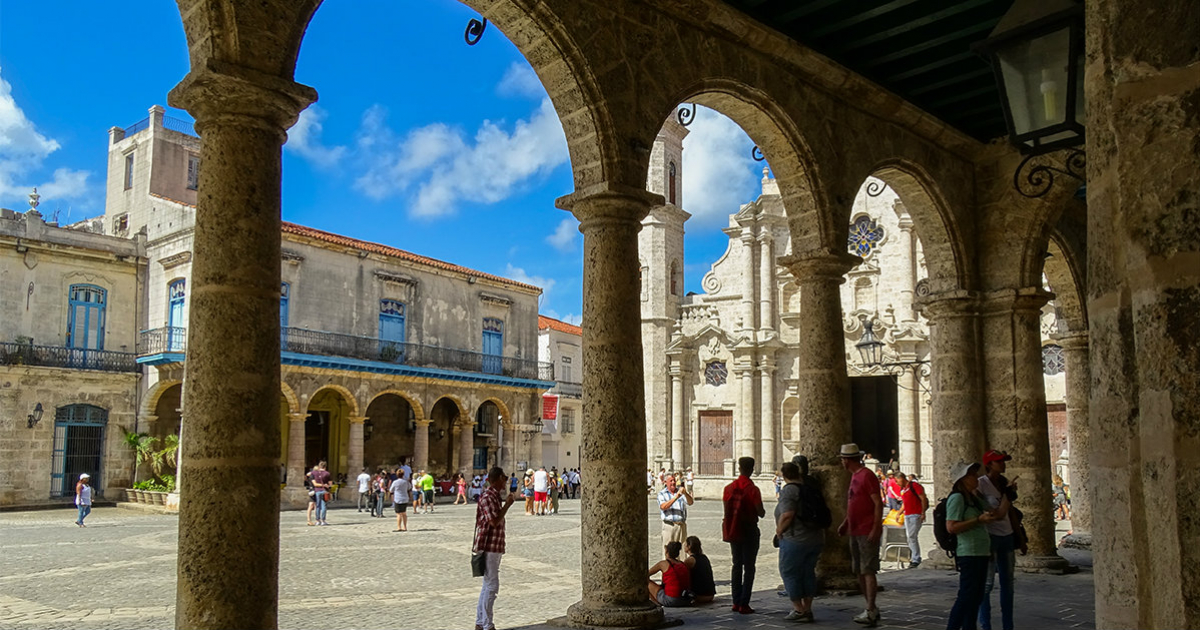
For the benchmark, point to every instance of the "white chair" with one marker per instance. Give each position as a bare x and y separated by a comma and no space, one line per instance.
895,539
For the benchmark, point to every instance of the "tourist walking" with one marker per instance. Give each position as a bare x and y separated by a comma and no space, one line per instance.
427,495
489,540
460,487
401,490
916,504
541,490
527,492
800,537
864,525
321,483
673,501
999,493
704,587
676,580
743,508
83,498
966,511
364,489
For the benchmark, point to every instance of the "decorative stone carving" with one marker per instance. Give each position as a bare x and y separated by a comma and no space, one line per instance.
493,298
291,257
395,278
170,262
711,283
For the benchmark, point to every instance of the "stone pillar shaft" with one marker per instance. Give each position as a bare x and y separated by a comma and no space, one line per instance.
749,309
466,452
907,402
744,434
613,537
295,459
766,278
677,441
228,558
1015,406
824,393
770,429
1075,349
421,444
957,407
354,455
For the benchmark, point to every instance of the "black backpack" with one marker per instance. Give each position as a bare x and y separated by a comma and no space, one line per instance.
813,512
947,541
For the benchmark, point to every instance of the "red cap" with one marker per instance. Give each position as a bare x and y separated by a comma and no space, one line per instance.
995,456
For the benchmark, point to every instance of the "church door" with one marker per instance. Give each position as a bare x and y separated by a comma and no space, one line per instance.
716,441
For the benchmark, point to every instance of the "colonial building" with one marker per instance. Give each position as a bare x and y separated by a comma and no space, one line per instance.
70,301
561,344
385,355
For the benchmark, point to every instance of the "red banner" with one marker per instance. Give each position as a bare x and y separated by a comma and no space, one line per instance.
549,407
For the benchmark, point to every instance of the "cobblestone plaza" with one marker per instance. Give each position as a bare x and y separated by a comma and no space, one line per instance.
119,572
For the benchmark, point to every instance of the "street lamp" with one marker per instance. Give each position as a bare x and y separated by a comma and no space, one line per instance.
870,349
35,417
1036,52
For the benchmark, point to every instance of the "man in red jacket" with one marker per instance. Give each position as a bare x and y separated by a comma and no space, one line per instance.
743,508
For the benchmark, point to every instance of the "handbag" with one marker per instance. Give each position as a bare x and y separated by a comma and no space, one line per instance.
328,497
478,564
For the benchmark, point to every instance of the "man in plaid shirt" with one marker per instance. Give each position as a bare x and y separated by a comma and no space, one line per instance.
489,540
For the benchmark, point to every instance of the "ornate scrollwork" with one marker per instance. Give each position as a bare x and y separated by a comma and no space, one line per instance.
1038,180
686,114
875,188
474,31
711,283
923,289
757,154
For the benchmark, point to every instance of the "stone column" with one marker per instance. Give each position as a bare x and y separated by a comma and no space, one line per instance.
677,441
767,461
295,494
505,459
766,280
456,452
466,449
354,456
749,310
825,394
904,260
1015,411
228,559
1075,349
421,444
614,540
957,406
744,438
907,401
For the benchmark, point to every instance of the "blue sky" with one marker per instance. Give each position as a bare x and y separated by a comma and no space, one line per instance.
417,141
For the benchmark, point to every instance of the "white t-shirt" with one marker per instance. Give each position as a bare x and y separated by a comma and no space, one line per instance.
407,471
574,478
1000,527
364,482
400,488
541,481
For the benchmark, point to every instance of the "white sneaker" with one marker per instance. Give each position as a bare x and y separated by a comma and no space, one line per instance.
868,618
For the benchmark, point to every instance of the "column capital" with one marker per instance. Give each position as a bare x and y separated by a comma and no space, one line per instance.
221,91
1022,299
358,419
820,265
150,418
422,422
956,303
1072,340
764,235
609,201
297,417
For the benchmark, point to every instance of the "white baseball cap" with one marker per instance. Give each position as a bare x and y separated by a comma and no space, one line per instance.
85,476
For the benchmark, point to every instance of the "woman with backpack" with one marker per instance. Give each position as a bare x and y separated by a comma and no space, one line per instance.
799,540
966,514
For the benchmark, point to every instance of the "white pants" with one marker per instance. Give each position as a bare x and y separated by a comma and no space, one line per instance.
912,527
487,594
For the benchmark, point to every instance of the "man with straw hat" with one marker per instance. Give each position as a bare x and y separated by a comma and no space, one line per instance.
864,525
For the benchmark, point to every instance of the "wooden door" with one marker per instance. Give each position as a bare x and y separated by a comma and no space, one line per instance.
716,441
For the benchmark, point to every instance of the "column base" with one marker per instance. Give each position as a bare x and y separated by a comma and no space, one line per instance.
1077,540
616,616
293,498
1056,565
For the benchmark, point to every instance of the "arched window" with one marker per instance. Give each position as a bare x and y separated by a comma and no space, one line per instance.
671,183
85,321
78,448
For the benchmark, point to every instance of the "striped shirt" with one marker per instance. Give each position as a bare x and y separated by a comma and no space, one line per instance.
677,511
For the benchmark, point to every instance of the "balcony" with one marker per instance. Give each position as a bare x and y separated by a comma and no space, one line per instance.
569,390
170,341
69,358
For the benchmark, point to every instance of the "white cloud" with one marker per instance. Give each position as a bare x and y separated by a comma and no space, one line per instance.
304,139
718,173
570,318
563,238
518,274
520,80
438,167
22,151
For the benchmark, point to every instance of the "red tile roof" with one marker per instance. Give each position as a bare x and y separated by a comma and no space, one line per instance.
561,326
346,241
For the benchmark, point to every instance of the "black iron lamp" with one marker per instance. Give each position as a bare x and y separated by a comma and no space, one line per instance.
537,425
441,434
35,417
871,350
1036,52
869,347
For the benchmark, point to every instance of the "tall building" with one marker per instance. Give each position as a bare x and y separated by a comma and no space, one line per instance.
561,344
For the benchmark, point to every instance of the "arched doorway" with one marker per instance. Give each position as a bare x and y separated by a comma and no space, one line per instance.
327,430
391,434
487,436
167,410
78,448
441,436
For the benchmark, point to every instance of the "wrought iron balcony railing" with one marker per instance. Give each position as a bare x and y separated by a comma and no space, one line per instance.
320,343
70,358
570,390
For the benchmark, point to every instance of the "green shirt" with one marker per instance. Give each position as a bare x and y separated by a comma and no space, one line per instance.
974,541
427,482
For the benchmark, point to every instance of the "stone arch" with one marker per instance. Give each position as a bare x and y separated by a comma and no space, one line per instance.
785,148
943,237
351,401
289,395
506,419
412,400
458,402
1065,275
150,401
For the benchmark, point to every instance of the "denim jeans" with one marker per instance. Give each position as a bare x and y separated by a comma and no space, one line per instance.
84,510
1003,560
745,552
912,528
321,505
971,570
798,568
